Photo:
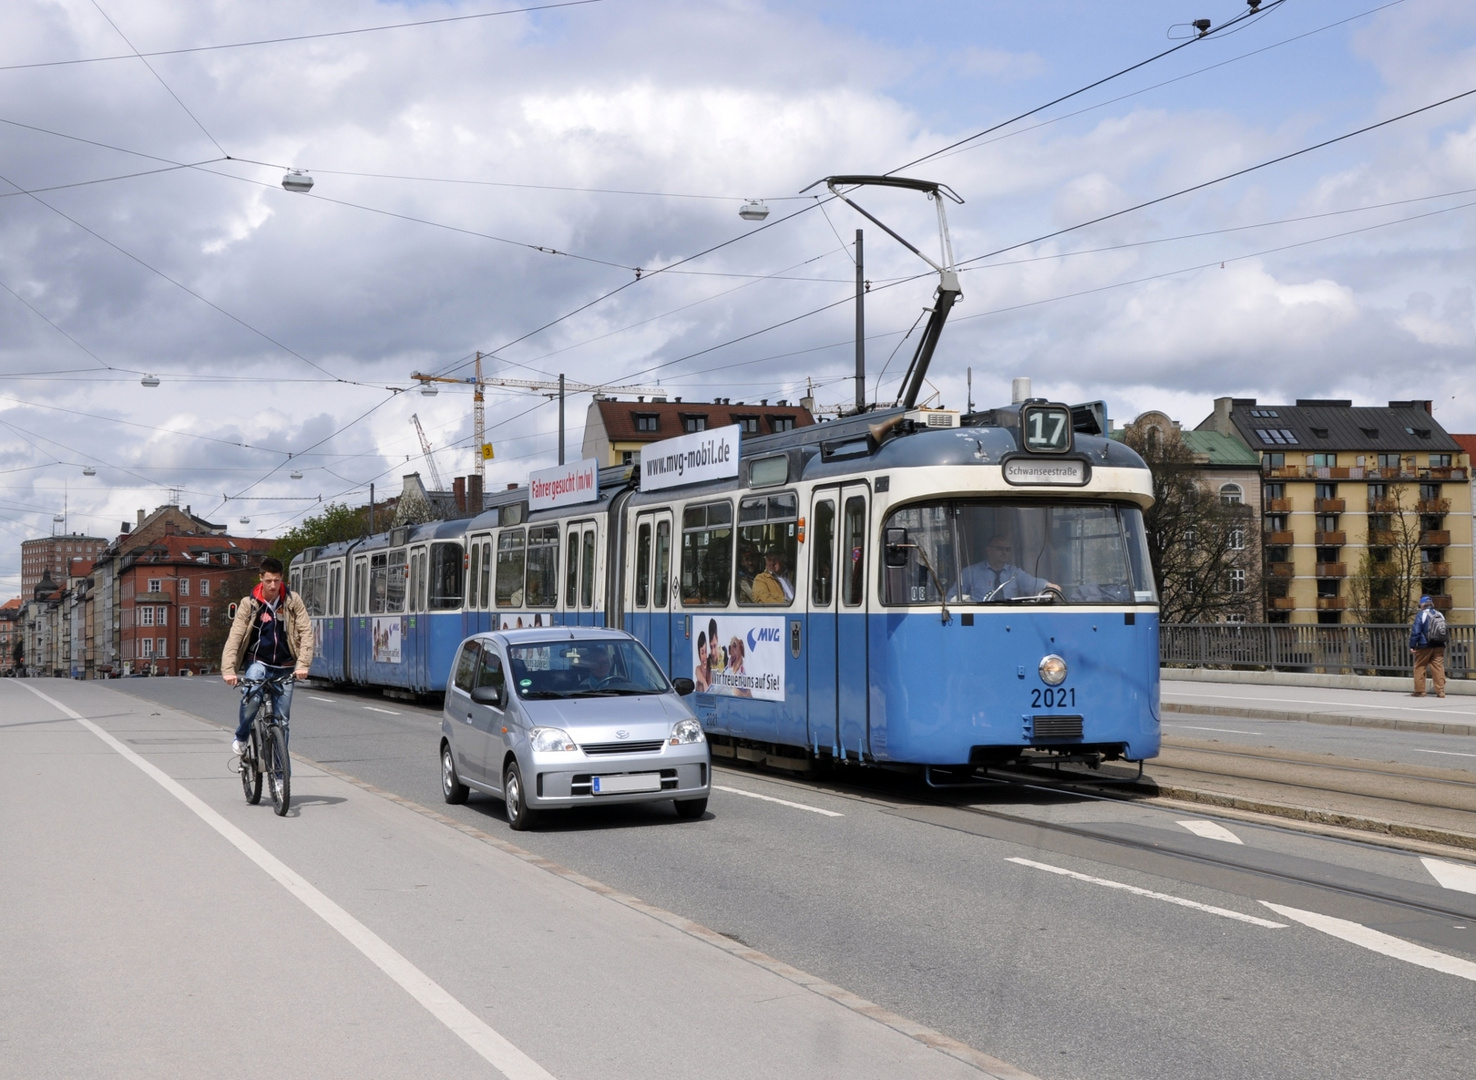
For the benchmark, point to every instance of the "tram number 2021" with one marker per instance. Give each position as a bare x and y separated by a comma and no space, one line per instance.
1053,697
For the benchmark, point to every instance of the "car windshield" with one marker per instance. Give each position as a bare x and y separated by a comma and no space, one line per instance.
570,669
987,552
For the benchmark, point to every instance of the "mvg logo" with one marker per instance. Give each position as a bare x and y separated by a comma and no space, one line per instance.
763,633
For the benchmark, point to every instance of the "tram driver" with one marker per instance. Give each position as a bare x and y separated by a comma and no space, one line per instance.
996,577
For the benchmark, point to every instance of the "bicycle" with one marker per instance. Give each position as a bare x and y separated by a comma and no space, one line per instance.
266,747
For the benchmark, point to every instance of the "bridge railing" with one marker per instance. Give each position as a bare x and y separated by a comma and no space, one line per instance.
1361,650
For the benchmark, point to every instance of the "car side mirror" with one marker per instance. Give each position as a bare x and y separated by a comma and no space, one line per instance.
896,547
488,695
683,686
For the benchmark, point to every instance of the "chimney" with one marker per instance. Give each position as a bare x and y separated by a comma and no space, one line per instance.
458,489
1221,420
512,487
140,517
474,493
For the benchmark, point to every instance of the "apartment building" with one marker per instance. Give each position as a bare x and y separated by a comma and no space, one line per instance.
56,554
1340,483
615,430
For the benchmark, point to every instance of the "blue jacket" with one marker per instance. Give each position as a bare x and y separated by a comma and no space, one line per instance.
1419,633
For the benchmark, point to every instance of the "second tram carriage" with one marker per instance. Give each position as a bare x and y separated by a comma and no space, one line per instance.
942,590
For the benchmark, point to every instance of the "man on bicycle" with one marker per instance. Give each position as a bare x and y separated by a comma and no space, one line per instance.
271,635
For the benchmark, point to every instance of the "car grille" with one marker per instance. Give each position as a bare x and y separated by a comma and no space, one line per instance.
645,746
582,783
1056,728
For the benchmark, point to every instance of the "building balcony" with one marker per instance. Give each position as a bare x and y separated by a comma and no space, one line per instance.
1435,538
1432,506
1278,506
1282,603
153,598
1329,506
1363,472
1332,570
1279,539
1330,539
1380,538
1456,473
1443,602
1332,603
1282,569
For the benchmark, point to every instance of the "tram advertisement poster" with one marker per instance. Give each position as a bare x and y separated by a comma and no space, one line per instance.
691,459
739,656
564,485
386,639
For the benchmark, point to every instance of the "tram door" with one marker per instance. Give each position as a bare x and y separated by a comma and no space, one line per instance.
582,592
852,663
650,594
822,660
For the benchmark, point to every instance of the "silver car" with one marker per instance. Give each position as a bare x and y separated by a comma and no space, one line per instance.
552,718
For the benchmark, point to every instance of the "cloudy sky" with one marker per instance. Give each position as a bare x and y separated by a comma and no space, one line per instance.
494,183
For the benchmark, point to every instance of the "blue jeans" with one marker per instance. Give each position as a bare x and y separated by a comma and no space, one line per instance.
251,702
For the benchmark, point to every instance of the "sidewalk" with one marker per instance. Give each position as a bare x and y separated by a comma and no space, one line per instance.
1282,700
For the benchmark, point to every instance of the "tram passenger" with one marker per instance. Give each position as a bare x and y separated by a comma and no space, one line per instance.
996,577
749,570
773,585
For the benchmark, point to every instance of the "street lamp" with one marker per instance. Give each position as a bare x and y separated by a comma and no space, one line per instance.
754,210
150,380
297,180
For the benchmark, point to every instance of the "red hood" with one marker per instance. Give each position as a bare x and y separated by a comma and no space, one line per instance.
281,595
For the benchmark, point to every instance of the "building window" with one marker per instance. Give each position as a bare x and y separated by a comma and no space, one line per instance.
1429,492
184,586
146,647
1237,580
1324,461
184,648
1377,493
184,616
1327,522
1276,523
160,649
627,457
204,616
161,614
1326,491
1231,494
781,423
1439,461
1389,461
747,424
1235,539
156,585
691,423
1273,461
647,421
1273,491
145,616
204,587
1327,587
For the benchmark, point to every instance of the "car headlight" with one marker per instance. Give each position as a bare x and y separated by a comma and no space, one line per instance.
1053,670
686,731
549,739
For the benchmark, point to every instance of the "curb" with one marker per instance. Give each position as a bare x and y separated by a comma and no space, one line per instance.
1388,723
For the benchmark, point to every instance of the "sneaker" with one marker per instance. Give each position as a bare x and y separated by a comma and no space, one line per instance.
237,746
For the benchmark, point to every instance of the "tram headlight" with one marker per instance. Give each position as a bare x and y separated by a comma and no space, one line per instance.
686,731
1053,670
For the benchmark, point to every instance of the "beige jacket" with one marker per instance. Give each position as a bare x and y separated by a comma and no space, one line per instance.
299,632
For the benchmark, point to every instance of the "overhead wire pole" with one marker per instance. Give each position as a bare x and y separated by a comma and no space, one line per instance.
860,327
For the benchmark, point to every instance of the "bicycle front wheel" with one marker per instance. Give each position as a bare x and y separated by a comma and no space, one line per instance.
278,769
251,770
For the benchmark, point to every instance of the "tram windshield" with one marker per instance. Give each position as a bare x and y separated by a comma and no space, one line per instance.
986,552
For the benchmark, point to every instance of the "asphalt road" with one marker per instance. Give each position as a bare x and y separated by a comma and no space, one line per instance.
1368,744
1070,937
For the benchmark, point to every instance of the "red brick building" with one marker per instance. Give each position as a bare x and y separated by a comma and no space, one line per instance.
56,553
167,590
615,431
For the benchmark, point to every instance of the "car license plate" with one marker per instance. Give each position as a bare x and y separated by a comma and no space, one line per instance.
615,785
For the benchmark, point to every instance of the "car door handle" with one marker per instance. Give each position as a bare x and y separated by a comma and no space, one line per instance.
468,718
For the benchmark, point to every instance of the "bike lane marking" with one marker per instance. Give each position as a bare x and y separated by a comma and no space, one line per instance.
496,1050
1379,942
1451,875
1195,904
781,802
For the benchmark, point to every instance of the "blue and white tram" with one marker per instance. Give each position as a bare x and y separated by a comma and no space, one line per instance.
941,591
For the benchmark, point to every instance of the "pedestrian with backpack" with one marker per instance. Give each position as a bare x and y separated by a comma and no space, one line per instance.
1427,643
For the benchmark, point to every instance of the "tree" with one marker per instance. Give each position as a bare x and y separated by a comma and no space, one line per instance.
1204,562
1386,584
335,524
237,583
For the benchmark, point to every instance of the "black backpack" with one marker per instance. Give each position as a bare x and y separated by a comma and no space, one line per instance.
1436,632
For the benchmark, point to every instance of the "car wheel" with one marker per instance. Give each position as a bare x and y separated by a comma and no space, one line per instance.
452,789
691,809
518,815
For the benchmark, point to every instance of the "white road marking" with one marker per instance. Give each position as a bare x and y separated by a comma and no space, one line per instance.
466,1025
1224,912
1451,875
387,712
1318,706
330,700
1212,830
781,802
1398,948
1226,730
1452,753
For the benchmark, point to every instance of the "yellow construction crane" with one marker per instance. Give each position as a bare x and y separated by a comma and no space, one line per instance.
550,388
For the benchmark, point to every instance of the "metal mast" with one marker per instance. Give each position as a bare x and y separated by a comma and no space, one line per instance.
430,459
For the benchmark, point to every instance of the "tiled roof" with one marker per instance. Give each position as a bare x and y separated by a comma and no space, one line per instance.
1309,427
1467,443
619,417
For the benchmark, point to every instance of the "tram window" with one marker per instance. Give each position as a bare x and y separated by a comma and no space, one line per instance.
394,582
571,571
417,579
377,586
320,589
485,587
587,570
643,565
445,577
543,566
928,543
854,532
335,590
361,586
663,565
768,543
510,568
707,553
822,555
474,576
